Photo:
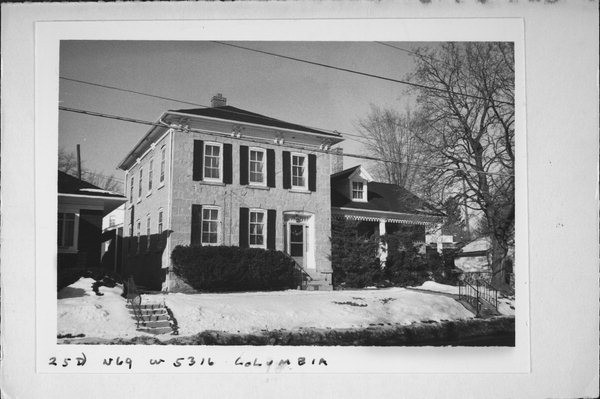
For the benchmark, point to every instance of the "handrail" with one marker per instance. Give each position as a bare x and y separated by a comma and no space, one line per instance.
477,292
303,272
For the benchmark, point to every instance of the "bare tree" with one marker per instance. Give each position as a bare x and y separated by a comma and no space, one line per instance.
466,107
390,135
67,162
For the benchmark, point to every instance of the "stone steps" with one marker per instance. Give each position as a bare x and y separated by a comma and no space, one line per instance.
151,318
318,285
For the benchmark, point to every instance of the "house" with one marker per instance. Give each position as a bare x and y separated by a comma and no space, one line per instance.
226,176
381,208
81,207
112,240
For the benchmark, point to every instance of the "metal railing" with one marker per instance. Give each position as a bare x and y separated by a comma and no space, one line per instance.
134,298
475,291
303,276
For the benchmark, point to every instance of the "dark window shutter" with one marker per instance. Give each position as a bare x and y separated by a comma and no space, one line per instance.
243,165
198,160
286,167
271,168
312,172
243,227
196,225
271,228
227,164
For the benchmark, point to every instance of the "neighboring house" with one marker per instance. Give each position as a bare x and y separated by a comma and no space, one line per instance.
381,208
81,207
439,242
227,176
112,240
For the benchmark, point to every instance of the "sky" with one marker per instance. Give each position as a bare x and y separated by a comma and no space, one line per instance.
195,71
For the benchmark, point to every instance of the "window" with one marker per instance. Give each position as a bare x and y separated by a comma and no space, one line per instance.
210,225
358,191
112,221
160,221
299,171
130,230
257,166
150,175
257,228
131,190
212,161
140,183
148,232
139,229
163,154
66,230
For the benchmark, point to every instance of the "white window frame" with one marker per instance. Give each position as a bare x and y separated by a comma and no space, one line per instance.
139,229
140,184
150,175
148,230
204,158
264,166
364,191
304,174
264,231
219,216
73,246
163,161
160,221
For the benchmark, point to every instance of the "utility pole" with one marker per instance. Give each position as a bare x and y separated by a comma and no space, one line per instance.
78,162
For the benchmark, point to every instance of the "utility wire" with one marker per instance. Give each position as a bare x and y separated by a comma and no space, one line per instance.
262,140
192,103
358,72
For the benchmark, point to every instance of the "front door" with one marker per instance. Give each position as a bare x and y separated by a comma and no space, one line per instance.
297,242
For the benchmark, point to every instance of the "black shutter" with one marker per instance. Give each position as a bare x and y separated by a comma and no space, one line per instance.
286,167
271,168
243,227
198,160
243,165
196,225
312,172
227,164
271,228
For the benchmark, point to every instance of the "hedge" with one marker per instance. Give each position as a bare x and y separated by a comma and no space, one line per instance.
226,269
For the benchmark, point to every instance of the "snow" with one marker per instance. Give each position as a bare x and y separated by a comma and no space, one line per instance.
98,190
437,287
292,310
81,311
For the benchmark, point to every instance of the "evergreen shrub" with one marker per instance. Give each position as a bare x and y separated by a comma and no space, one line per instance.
226,269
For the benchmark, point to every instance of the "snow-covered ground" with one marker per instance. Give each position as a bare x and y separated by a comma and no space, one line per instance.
81,311
291,310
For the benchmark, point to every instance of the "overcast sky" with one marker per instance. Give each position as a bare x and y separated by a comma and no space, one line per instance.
195,71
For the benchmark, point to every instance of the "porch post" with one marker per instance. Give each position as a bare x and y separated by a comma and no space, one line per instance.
381,227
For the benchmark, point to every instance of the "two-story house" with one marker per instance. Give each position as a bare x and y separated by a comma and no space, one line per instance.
226,176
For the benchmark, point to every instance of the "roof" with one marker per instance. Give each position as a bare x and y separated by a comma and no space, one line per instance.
381,197
230,113
68,184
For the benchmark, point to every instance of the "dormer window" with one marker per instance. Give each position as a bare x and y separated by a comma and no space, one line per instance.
358,191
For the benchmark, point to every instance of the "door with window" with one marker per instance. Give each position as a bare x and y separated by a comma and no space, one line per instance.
297,242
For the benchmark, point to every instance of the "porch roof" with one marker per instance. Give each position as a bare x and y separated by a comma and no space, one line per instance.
370,215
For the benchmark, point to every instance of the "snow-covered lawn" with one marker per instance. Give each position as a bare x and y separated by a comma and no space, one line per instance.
81,311
292,310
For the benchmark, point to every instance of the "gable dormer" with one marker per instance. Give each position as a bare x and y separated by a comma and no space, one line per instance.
358,182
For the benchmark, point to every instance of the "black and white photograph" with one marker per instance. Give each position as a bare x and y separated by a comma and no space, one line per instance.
286,193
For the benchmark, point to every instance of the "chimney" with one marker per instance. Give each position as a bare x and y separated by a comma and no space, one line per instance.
337,160
218,101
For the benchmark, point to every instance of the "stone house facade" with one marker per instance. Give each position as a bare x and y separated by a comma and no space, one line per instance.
226,176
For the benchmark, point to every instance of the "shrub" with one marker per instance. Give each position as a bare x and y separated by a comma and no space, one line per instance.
353,256
66,277
223,268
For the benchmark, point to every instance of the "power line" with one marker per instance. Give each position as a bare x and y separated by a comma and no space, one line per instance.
358,72
189,102
260,140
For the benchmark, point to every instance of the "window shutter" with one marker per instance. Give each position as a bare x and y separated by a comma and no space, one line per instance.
243,165
271,168
312,172
287,172
196,225
227,164
244,227
271,228
198,160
